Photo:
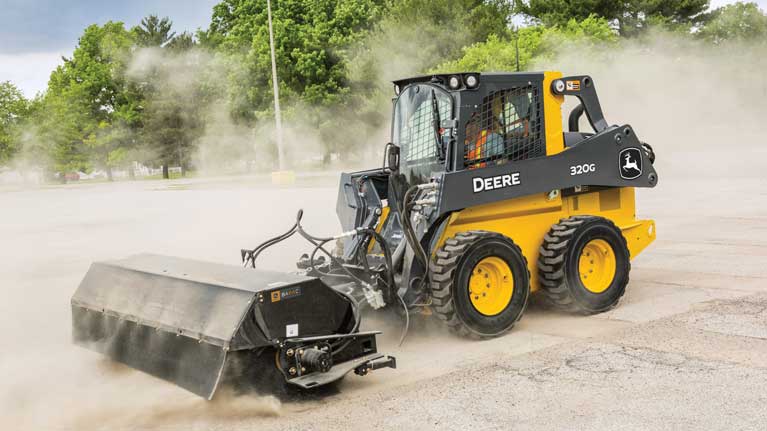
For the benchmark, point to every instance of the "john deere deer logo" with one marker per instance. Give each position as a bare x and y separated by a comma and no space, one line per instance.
630,163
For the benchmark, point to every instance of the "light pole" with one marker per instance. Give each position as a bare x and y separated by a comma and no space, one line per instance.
277,117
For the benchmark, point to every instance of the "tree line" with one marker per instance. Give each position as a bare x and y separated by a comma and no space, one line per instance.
152,95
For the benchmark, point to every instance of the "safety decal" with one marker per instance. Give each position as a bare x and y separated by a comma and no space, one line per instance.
573,85
291,330
287,293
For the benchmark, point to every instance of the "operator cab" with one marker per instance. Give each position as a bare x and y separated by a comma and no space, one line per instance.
454,122
466,121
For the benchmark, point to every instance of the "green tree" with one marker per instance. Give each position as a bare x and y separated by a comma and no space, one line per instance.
153,31
312,48
92,85
736,22
629,17
169,74
416,35
310,39
183,42
13,110
536,43
455,21
171,128
56,141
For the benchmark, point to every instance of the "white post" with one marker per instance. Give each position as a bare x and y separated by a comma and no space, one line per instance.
277,117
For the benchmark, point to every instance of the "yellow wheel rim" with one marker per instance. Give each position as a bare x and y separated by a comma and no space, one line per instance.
491,285
597,265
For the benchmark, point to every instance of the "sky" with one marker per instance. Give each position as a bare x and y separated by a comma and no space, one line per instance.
35,34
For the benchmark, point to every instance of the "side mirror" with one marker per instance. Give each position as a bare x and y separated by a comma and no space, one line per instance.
392,157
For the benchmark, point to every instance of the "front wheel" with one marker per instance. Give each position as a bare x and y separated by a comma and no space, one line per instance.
480,283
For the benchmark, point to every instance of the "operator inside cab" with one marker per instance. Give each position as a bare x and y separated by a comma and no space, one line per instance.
496,131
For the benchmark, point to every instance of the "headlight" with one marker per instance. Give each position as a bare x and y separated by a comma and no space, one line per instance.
454,82
472,81
396,89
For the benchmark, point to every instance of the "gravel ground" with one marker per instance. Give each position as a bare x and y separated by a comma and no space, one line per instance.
686,349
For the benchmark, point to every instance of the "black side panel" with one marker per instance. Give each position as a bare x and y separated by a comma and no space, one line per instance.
313,308
357,192
359,205
349,204
595,161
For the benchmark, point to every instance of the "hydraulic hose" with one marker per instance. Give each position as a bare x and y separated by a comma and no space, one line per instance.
411,236
253,254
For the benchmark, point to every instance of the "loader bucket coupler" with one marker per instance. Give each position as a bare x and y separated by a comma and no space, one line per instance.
198,324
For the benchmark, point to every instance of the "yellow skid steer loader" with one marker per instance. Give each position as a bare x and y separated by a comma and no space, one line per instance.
482,200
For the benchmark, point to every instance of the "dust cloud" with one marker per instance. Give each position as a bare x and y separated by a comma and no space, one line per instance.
194,82
75,390
50,236
700,107
202,82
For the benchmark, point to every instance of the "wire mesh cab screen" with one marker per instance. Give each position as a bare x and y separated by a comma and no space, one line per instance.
506,126
417,115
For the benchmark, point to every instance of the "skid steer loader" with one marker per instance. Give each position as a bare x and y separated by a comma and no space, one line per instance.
482,199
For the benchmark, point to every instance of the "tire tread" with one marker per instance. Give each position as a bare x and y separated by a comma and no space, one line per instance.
443,272
551,264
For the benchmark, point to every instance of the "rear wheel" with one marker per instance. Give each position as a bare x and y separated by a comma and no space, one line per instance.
480,283
584,265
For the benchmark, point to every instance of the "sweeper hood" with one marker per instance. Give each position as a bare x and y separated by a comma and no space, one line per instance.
198,324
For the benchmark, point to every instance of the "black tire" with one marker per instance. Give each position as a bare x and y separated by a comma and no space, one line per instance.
450,273
558,265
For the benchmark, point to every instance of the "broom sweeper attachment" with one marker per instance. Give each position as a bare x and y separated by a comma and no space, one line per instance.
203,325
